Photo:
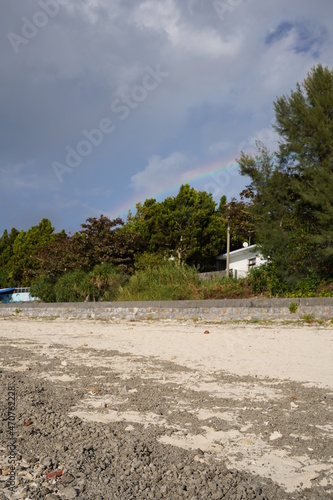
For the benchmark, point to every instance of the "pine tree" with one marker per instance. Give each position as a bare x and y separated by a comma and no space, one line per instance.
292,190
305,124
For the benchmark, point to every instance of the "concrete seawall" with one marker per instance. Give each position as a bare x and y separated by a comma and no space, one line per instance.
208,310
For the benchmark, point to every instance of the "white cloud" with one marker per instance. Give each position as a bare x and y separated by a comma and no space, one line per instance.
158,171
266,136
219,147
165,17
21,176
91,9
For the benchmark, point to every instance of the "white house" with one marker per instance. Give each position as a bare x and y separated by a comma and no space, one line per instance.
241,260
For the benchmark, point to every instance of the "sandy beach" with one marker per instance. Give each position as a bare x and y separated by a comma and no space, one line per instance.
257,398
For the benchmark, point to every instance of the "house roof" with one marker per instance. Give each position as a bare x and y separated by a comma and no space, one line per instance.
239,251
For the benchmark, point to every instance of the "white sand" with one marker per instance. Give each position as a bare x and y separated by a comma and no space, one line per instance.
300,353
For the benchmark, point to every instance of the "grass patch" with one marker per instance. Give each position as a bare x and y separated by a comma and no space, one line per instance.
293,307
309,318
163,282
167,281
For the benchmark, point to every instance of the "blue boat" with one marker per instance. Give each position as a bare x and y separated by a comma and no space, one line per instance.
16,294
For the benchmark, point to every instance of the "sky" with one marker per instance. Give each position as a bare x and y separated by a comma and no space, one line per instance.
105,103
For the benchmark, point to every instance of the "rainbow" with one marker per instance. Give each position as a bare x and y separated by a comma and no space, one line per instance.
211,172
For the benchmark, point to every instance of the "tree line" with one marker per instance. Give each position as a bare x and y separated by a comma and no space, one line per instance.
189,228
287,209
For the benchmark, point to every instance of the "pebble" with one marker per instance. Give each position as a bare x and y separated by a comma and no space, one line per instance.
125,389
47,462
68,493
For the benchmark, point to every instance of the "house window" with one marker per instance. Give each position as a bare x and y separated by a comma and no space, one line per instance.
252,262
221,265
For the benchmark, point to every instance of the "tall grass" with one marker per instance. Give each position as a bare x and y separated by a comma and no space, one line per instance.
167,281
226,288
163,282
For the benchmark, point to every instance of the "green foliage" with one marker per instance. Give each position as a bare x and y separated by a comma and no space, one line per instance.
164,282
75,286
241,221
225,288
108,281
149,260
44,289
291,191
293,307
23,266
5,280
325,289
264,280
305,287
109,241
186,226
103,283
6,254
167,281
305,123
259,280
60,255
309,318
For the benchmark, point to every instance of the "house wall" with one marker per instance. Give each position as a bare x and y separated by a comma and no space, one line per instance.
239,262
212,275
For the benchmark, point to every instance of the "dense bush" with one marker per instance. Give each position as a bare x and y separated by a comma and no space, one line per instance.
148,260
75,286
108,281
164,280
44,290
104,282
264,280
225,288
